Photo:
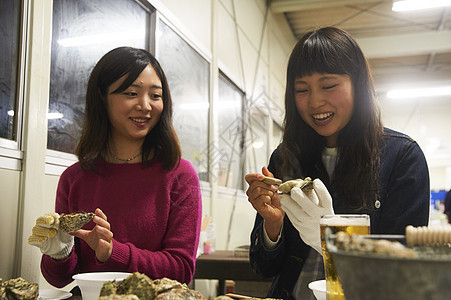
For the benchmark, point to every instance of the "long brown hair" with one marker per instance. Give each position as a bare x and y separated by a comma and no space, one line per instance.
130,62
332,50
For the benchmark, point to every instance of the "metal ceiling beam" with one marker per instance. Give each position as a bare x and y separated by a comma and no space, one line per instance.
406,44
285,6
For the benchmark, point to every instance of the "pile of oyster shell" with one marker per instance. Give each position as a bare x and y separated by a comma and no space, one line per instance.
18,288
139,286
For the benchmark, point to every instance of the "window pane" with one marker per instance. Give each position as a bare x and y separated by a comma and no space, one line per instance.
9,49
83,31
231,137
188,76
257,139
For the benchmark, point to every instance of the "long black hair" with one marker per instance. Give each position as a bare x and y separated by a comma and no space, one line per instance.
332,50
161,141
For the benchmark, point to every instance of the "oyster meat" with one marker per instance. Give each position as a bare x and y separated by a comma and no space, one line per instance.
305,184
74,221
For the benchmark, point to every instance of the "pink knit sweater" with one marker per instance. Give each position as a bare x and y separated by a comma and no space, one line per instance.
155,216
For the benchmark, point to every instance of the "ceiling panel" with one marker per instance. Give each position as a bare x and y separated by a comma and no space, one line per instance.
366,20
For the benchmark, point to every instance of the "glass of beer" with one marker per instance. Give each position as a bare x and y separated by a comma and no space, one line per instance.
351,224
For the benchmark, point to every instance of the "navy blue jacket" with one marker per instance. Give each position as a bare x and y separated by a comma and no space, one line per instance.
403,199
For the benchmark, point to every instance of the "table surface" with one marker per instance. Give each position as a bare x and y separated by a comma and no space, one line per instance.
224,265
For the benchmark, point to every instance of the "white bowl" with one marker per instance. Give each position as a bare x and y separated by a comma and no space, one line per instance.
319,289
91,283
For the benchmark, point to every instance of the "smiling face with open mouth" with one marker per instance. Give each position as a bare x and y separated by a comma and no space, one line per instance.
134,112
325,102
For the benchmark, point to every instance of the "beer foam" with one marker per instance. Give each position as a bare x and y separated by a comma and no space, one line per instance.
345,220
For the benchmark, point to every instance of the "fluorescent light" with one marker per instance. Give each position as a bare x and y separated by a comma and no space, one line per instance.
54,115
409,5
101,38
228,104
415,93
194,106
258,144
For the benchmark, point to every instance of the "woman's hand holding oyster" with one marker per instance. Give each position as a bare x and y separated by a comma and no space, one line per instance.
305,204
303,200
50,234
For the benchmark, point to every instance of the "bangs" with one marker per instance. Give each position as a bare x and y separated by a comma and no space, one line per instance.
121,62
132,72
322,55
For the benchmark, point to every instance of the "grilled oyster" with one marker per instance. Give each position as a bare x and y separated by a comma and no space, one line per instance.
74,221
358,243
2,290
19,289
109,288
119,297
180,294
165,284
135,284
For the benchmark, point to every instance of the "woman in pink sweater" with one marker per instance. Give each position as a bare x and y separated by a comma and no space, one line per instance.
146,198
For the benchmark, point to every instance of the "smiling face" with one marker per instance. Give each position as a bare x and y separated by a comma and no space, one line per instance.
325,102
134,112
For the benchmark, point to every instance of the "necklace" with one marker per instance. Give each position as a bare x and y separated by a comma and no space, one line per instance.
127,159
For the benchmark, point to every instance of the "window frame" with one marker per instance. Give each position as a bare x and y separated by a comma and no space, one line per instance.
11,151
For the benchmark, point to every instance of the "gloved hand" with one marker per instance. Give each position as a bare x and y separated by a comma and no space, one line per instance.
47,236
305,209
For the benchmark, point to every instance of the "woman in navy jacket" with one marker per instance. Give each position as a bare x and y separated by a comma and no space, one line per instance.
333,131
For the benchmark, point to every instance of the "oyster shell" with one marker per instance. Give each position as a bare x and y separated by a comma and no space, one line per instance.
135,284
180,294
119,297
165,284
359,243
19,289
74,221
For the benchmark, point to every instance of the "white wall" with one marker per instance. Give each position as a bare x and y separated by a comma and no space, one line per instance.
428,122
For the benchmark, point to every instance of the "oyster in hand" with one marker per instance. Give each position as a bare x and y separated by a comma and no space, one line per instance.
304,184
74,221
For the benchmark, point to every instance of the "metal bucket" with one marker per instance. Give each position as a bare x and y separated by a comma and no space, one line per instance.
367,276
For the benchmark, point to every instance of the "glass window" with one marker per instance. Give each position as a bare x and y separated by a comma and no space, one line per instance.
83,31
188,77
9,58
229,155
257,139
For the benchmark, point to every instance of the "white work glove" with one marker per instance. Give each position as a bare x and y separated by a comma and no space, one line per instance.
305,209
47,236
